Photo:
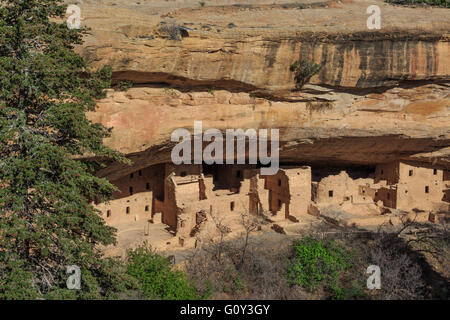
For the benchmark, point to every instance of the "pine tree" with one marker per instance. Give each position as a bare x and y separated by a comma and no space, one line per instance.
47,222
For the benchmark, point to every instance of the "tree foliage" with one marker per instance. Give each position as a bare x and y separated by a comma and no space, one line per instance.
156,277
318,261
47,221
304,71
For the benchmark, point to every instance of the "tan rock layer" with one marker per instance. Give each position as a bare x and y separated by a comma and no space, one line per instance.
367,130
249,47
265,39
264,63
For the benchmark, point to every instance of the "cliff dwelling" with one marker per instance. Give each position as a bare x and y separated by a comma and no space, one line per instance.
364,143
407,186
177,192
187,199
249,149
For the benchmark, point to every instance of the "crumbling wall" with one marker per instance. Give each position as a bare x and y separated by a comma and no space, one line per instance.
388,172
335,189
230,176
366,193
182,186
279,197
202,188
170,210
258,196
446,175
208,182
388,195
446,196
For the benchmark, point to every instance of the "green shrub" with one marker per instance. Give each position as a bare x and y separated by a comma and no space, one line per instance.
124,85
304,71
318,262
156,277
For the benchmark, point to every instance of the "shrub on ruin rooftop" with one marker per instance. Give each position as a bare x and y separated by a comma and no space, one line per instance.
304,70
156,277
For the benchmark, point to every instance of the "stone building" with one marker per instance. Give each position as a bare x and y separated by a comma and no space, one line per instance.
289,192
446,190
136,196
182,194
229,189
408,186
337,189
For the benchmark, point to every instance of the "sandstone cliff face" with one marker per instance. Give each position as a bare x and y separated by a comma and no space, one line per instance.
264,63
231,50
252,46
352,129
382,62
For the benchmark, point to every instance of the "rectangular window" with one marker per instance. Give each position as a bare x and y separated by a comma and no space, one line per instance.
108,213
140,173
131,190
435,171
410,173
232,206
146,208
131,176
427,189
330,193
147,186
128,210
